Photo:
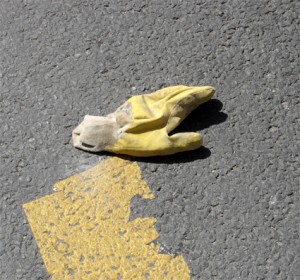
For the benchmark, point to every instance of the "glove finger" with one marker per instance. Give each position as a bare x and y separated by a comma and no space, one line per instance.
165,93
154,107
186,141
188,101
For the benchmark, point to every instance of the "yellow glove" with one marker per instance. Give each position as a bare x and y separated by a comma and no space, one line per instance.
141,126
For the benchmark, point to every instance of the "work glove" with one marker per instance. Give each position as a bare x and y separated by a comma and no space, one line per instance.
142,125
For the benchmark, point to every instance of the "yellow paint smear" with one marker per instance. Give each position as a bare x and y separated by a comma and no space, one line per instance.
83,230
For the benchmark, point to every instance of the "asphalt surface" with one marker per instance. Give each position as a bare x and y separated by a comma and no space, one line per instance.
232,208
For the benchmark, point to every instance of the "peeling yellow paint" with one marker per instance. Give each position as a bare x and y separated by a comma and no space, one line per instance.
83,230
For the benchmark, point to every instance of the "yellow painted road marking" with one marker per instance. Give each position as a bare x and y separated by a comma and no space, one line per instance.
83,230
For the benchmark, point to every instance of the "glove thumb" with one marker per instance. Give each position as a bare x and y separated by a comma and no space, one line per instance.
186,141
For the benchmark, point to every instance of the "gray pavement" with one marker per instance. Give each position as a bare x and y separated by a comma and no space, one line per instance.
232,208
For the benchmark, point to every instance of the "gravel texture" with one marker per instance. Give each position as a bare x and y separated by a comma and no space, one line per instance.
231,208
